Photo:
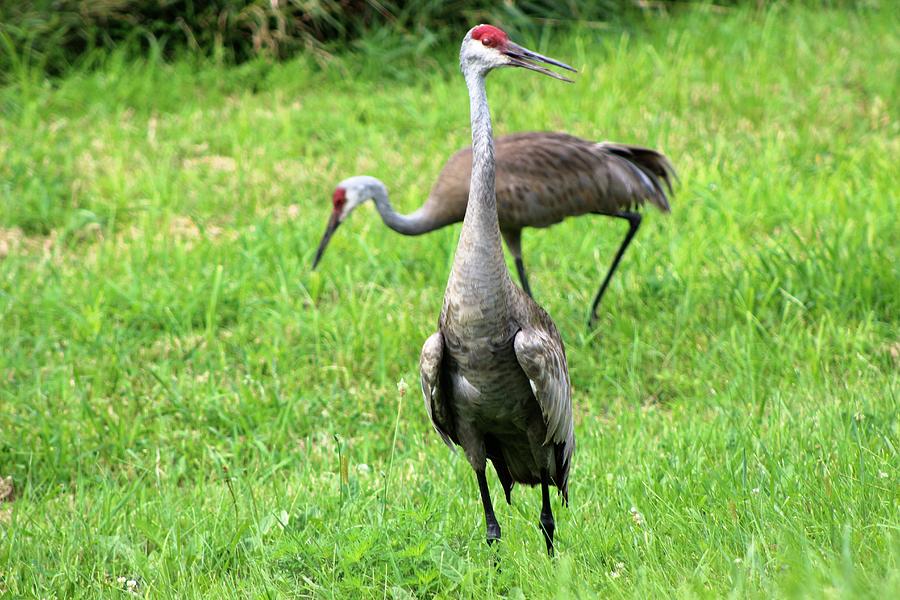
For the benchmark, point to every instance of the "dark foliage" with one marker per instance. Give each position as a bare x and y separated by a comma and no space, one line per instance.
50,35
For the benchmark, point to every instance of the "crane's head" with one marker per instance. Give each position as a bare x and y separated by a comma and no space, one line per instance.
348,194
486,47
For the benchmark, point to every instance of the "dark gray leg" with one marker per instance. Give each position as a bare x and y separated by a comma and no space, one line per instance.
634,221
520,267
547,523
490,521
514,243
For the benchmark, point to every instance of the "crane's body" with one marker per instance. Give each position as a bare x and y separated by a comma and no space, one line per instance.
541,179
494,375
545,177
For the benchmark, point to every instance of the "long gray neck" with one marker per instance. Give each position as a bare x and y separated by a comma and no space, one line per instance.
481,212
414,223
480,235
479,279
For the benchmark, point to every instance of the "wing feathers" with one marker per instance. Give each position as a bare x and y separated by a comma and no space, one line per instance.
540,353
543,360
430,377
544,177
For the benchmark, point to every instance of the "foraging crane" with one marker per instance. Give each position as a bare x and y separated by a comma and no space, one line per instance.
494,375
542,178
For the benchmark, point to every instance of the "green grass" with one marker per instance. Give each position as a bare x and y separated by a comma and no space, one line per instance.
183,402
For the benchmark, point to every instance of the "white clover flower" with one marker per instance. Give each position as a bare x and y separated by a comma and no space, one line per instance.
636,516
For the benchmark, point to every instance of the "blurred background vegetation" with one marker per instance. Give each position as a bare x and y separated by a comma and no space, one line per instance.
51,36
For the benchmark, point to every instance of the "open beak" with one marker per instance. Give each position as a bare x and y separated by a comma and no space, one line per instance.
333,223
525,58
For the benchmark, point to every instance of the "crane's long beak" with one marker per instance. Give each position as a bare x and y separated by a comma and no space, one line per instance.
525,58
333,223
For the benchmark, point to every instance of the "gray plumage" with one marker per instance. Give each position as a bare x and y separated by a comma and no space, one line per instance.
544,177
541,178
494,376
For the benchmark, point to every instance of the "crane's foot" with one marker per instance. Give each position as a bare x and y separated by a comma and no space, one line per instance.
548,526
490,520
493,533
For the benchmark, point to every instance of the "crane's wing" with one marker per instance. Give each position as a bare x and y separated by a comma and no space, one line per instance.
430,362
547,176
542,357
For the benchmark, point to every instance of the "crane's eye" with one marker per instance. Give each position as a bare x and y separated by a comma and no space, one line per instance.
488,41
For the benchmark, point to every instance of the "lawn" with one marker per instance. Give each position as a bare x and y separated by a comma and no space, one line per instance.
185,405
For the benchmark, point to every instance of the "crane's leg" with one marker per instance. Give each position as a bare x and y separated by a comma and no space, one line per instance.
520,267
490,521
548,525
514,243
634,222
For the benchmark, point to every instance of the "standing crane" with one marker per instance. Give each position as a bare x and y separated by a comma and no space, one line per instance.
541,178
494,375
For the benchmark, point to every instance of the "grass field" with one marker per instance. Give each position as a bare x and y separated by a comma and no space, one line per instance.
184,404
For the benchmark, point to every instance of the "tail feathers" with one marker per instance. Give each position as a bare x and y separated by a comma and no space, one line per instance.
652,168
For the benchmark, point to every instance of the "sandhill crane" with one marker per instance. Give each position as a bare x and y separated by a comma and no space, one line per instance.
494,375
542,178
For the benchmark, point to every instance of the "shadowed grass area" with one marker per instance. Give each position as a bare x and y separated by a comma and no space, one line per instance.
185,404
